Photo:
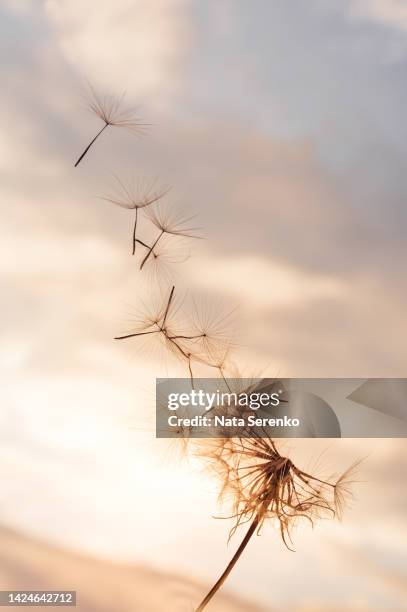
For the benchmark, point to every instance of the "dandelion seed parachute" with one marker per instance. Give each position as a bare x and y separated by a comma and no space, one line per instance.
171,221
136,195
111,111
182,341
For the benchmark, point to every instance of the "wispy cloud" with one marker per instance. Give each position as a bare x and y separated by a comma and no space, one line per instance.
389,12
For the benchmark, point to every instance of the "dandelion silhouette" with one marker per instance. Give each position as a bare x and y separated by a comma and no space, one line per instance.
136,196
111,111
171,222
162,323
266,485
213,329
189,342
220,362
159,266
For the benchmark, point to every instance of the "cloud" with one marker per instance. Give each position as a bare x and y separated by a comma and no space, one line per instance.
19,6
389,12
266,283
385,568
123,45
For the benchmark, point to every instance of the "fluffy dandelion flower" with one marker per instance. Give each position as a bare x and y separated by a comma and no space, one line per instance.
262,484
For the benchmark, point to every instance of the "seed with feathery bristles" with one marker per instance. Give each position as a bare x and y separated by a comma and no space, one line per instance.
111,111
187,342
169,221
136,195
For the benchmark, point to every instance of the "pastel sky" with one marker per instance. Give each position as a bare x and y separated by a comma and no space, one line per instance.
282,126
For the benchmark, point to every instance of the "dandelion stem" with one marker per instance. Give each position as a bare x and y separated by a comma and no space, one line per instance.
186,337
150,251
154,331
231,565
223,376
134,232
142,243
191,374
168,305
90,144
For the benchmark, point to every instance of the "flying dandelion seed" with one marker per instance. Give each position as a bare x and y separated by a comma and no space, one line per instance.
111,111
160,265
265,485
187,342
161,321
136,195
214,329
180,435
171,222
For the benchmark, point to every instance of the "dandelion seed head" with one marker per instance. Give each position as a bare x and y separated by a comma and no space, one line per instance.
261,484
